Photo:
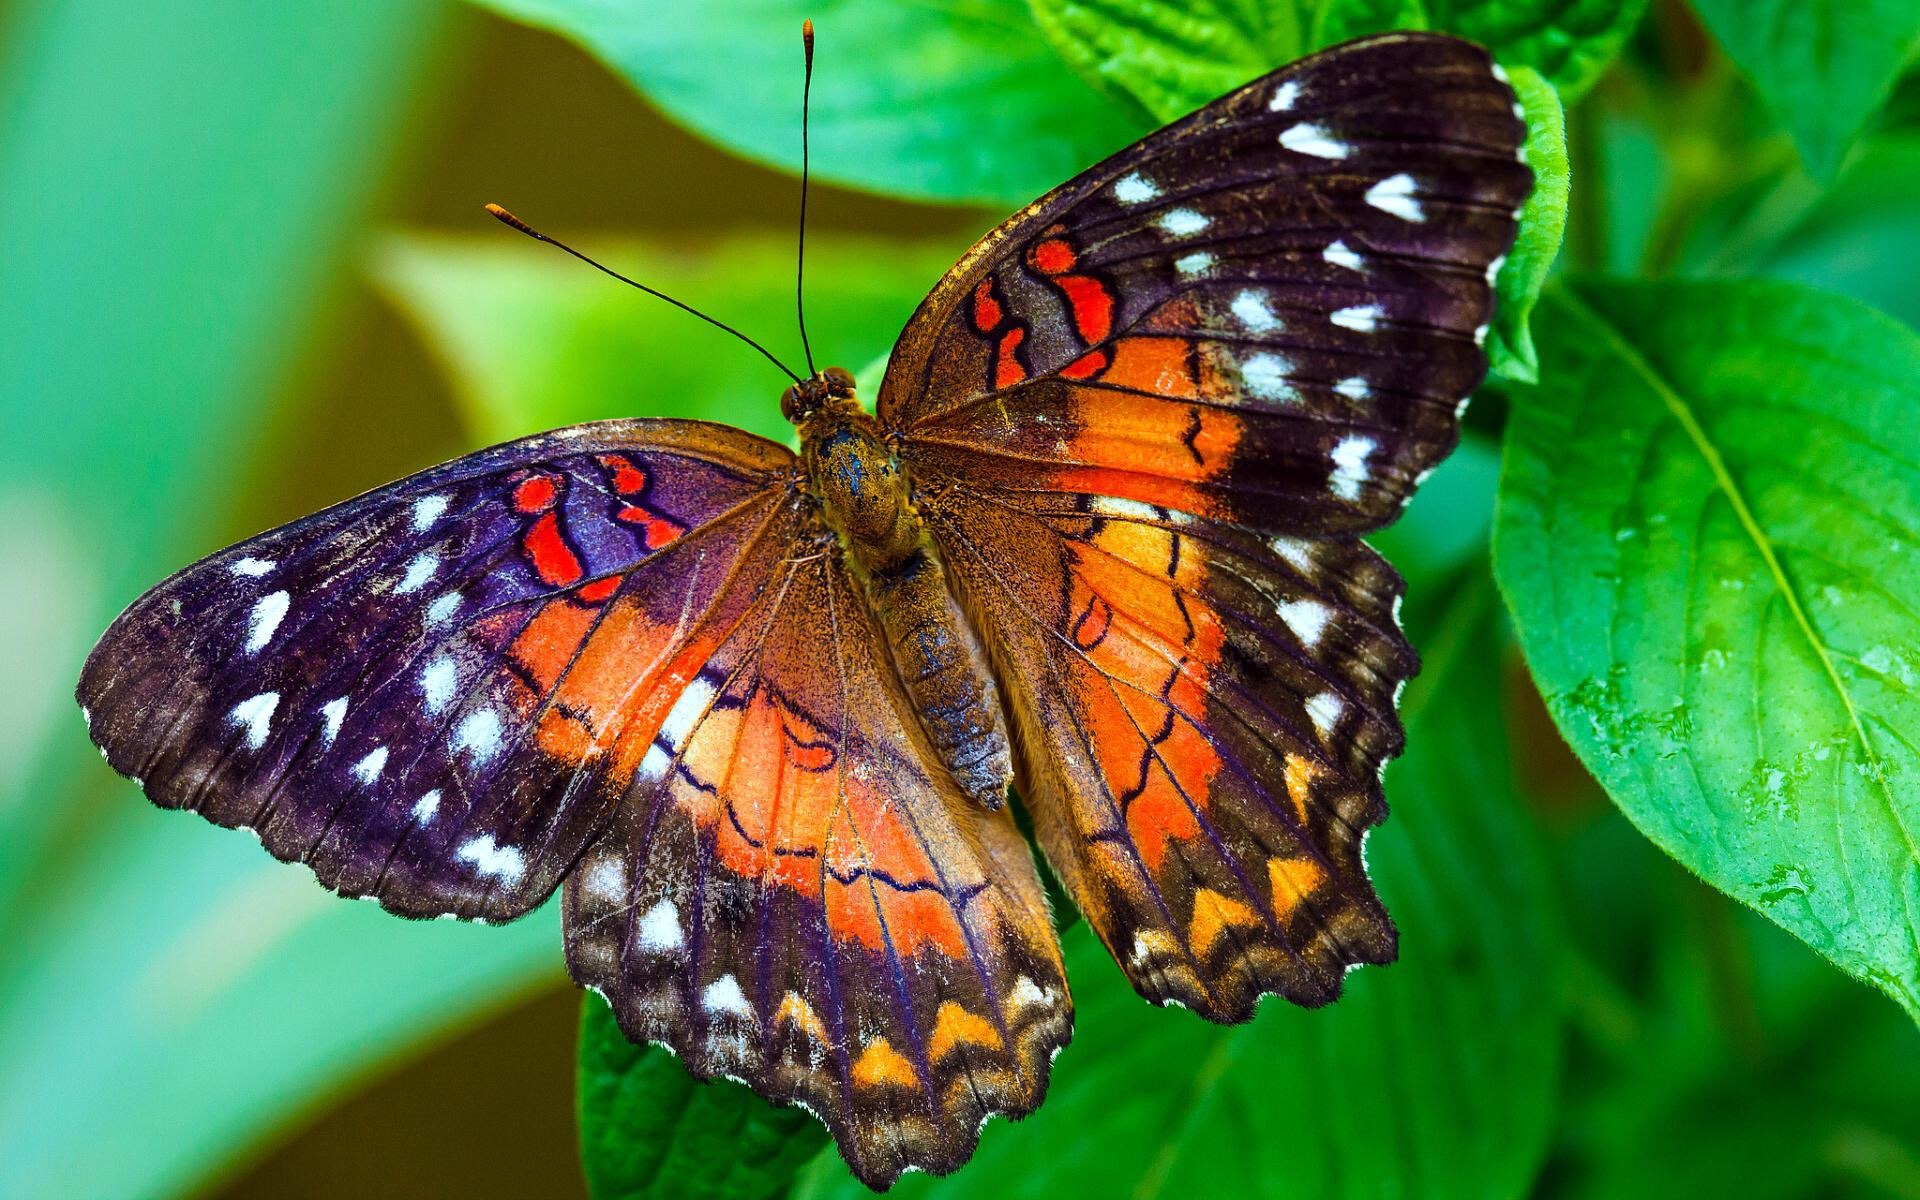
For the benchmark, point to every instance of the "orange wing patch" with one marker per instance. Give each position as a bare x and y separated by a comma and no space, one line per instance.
791,897
1157,763
1181,788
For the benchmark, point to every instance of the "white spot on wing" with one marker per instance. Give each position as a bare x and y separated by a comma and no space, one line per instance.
1184,222
723,995
332,712
686,713
504,863
1324,709
368,769
1493,268
1266,377
1194,263
436,684
1350,466
606,878
427,510
1135,189
427,807
422,568
659,930
1395,195
254,713
655,764
1120,506
1284,96
1254,312
1341,256
1027,993
442,607
251,567
1308,138
1354,388
1298,554
267,614
1363,318
479,733
1307,618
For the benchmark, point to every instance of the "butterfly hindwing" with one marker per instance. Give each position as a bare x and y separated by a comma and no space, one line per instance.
800,901
426,693
1268,312
1202,717
1146,419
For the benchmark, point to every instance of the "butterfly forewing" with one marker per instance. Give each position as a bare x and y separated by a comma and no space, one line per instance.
1267,313
428,694
1146,419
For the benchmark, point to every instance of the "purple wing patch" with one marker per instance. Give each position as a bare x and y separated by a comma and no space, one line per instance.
373,689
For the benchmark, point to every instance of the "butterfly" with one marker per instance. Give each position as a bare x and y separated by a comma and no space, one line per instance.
755,712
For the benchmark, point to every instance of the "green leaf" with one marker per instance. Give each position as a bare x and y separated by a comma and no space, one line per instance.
170,996
1433,1078
1822,66
1168,59
1336,21
1709,534
1543,222
533,340
1171,56
956,100
650,1131
1570,42
1859,235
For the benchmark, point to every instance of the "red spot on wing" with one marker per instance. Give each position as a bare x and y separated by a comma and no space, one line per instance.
987,312
655,530
1007,368
1092,306
1053,256
1086,366
627,478
535,493
600,589
553,559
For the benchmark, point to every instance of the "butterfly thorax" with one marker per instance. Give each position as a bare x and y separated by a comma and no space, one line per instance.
864,497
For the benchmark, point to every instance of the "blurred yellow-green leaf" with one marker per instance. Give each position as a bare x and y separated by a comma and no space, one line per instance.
958,100
535,340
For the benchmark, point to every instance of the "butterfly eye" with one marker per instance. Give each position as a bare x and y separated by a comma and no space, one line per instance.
796,406
839,381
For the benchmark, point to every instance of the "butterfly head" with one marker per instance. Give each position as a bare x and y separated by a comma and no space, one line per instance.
831,388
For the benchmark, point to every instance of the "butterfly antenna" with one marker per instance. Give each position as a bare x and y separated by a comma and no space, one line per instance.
507,218
800,272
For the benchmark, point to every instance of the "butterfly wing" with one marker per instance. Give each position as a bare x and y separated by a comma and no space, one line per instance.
1266,313
802,904
433,694
1147,420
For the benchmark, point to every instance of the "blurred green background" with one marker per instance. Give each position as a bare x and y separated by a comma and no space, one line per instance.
244,272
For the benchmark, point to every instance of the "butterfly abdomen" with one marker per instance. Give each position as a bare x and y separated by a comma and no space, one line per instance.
940,662
864,498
